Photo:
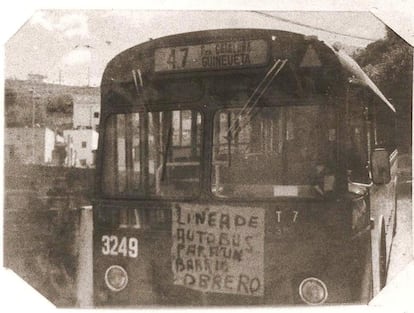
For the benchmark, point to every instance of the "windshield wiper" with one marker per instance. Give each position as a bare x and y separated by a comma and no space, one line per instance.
258,93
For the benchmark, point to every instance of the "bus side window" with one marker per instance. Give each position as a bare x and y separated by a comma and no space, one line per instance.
357,144
384,127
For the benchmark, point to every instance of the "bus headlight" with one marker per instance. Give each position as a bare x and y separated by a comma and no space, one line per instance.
313,291
116,278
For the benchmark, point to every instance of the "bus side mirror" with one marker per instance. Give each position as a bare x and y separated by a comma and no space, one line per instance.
380,166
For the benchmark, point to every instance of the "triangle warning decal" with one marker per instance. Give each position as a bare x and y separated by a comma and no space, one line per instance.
310,59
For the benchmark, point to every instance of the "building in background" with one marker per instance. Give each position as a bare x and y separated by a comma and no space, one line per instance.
86,112
81,145
73,110
30,145
82,140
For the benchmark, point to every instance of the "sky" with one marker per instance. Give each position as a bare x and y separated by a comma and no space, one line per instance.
73,46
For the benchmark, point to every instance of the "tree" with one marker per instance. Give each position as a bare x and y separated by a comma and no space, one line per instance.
16,115
19,106
62,103
389,63
10,98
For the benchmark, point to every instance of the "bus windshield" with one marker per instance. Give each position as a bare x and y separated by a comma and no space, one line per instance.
278,151
155,154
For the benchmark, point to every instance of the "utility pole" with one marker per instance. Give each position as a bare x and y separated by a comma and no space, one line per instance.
90,117
33,97
33,124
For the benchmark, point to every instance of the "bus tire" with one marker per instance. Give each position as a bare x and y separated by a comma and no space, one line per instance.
382,258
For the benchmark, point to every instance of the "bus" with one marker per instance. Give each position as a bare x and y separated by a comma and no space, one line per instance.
241,167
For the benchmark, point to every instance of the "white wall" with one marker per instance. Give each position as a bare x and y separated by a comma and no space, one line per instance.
84,115
49,145
80,144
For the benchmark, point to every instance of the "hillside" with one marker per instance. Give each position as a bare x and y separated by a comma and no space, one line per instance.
52,103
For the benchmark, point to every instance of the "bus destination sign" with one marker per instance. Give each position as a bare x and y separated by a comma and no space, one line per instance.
211,56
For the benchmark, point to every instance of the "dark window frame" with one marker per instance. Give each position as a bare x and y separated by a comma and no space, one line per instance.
149,196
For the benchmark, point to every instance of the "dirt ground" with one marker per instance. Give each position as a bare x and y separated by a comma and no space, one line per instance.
402,247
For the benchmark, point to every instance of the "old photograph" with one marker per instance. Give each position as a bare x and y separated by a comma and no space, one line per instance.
207,158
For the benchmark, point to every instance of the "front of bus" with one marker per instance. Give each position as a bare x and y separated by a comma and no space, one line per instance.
221,175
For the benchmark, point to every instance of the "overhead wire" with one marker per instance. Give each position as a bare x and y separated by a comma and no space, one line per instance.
312,27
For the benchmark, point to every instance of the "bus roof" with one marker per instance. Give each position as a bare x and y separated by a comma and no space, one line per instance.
123,63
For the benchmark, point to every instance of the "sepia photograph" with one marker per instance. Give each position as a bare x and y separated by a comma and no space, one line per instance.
193,158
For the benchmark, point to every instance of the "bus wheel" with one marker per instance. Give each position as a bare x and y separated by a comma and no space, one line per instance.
382,259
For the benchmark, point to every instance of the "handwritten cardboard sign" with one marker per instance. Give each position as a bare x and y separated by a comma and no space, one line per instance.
218,249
